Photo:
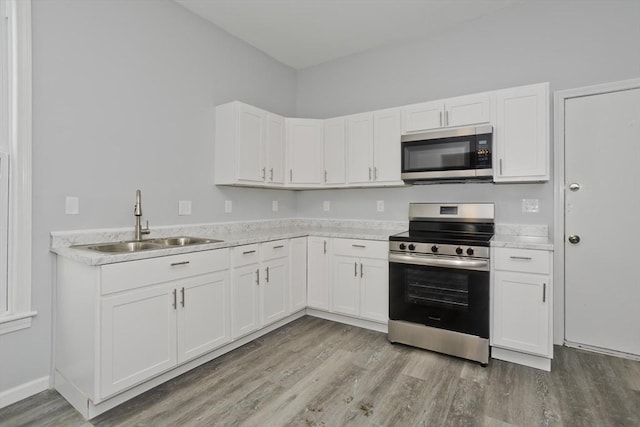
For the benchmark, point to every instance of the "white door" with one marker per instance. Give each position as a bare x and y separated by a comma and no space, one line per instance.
335,151
345,286
245,311
360,143
251,135
374,294
423,116
318,273
386,142
298,274
602,289
305,140
274,288
467,110
203,314
275,149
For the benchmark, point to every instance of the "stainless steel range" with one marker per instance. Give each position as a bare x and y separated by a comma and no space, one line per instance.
439,279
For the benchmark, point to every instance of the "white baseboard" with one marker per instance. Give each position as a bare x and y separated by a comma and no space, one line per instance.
353,321
23,391
538,362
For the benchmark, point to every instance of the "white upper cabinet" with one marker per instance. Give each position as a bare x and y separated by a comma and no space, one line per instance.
305,147
521,134
335,151
374,147
459,111
249,147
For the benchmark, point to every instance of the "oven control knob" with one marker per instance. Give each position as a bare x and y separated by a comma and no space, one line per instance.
459,250
412,247
434,249
469,251
403,246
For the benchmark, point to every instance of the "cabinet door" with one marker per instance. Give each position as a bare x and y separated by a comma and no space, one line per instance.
345,286
335,151
138,337
521,308
298,274
305,140
274,289
467,110
318,273
521,134
386,143
360,142
374,290
203,314
251,143
245,309
423,116
275,149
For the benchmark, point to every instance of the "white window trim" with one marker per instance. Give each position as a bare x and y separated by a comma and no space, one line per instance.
18,13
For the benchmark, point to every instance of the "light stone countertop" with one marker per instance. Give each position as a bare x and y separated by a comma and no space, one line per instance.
522,237
231,234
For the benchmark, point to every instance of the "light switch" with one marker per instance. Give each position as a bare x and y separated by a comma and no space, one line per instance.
72,205
274,205
326,206
530,205
228,206
184,207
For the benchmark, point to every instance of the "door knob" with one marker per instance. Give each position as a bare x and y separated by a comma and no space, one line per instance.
574,186
574,238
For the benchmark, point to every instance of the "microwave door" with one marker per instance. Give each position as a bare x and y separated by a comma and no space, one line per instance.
438,158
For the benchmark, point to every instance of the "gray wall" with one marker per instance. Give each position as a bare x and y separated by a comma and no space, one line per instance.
567,43
124,95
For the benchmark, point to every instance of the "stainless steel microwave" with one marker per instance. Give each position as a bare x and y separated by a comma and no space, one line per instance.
450,154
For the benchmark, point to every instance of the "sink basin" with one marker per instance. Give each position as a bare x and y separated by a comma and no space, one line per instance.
146,245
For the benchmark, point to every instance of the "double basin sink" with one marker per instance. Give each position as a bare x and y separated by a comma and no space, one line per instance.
146,245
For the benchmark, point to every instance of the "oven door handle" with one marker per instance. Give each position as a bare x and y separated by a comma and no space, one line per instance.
476,264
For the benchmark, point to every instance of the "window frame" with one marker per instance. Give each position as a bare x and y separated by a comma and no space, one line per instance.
16,111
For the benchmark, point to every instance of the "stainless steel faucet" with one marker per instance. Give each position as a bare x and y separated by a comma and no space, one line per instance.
137,211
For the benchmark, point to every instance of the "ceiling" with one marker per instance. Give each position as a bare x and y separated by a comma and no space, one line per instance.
304,33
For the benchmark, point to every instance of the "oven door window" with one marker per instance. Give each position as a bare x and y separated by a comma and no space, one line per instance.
438,155
440,288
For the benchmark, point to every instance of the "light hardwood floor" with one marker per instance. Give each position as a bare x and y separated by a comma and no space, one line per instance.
314,372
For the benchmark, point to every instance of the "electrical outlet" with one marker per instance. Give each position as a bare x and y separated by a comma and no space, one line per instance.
530,205
228,206
326,206
380,205
184,207
274,206
72,205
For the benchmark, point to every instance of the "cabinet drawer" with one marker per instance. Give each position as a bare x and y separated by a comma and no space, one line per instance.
134,274
523,260
245,255
274,250
361,248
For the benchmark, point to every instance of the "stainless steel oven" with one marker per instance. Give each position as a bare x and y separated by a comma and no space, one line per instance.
439,280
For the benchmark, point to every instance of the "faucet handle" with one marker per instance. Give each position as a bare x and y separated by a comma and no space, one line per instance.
146,229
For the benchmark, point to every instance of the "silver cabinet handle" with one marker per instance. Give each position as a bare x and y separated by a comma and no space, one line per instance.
361,270
500,166
175,299
266,279
325,176
523,258
182,299
359,246
248,252
355,269
290,174
278,247
544,292
446,118
369,174
271,174
258,276
440,118
325,247
375,173
173,264
264,175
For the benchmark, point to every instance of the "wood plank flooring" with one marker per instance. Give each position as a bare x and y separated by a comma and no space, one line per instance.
314,372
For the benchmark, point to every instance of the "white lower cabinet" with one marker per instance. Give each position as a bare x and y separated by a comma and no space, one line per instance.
298,274
318,249
522,306
259,286
360,281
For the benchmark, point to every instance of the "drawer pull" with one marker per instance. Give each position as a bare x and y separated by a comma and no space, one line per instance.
359,246
544,292
278,247
182,293
361,270
175,299
266,279
173,264
248,252
257,276
522,258
325,246
355,269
